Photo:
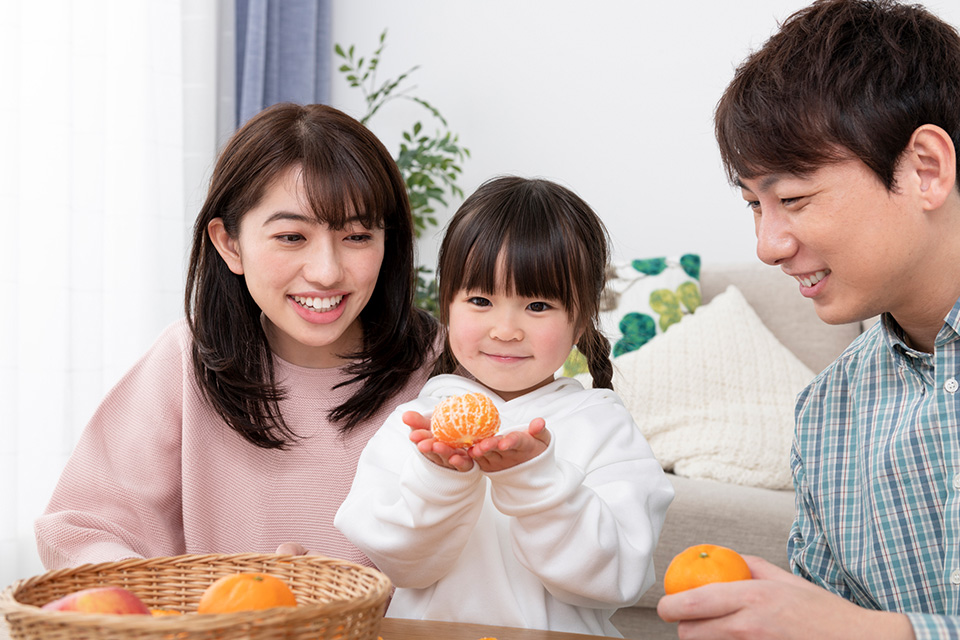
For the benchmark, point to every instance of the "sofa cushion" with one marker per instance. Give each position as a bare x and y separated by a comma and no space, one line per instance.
715,395
789,316
642,298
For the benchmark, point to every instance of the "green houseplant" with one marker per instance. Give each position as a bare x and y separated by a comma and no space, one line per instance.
430,164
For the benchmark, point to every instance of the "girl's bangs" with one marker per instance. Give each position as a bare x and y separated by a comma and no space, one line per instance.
529,267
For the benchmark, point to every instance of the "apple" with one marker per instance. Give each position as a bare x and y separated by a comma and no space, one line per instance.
99,600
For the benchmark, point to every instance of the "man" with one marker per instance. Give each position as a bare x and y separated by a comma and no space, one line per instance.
842,132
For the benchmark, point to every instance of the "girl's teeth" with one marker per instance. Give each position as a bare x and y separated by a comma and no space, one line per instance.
319,304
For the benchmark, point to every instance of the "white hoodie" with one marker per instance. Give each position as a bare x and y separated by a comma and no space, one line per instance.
559,542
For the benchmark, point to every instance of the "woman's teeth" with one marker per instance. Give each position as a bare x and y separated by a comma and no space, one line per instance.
319,304
809,281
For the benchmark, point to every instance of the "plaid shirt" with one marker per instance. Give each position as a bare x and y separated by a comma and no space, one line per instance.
876,467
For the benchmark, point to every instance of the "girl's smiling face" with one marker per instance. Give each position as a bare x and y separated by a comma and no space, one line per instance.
510,343
310,281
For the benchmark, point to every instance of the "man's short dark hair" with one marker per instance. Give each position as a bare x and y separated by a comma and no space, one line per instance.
841,78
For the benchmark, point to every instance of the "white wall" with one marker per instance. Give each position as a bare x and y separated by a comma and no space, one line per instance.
613,98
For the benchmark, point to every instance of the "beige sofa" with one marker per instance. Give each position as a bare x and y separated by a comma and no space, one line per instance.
752,520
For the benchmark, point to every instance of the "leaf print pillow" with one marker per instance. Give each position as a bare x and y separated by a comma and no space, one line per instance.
642,299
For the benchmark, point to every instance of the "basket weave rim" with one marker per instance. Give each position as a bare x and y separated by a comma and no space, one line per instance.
379,591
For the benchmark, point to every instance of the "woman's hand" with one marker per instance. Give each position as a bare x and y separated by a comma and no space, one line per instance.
295,549
434,450
775,604
509,450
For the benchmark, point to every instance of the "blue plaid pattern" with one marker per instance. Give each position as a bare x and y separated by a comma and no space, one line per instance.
876,466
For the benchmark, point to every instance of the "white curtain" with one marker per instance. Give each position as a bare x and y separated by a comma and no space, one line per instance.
108,130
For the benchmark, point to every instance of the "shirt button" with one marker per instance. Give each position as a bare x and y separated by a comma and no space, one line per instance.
951,385
955,576
956,481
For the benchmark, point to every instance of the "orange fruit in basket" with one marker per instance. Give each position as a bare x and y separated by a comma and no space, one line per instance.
702,564
157,611
459,421
246,592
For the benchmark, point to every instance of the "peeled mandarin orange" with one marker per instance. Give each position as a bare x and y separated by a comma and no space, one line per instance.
246,592
702,564
459,421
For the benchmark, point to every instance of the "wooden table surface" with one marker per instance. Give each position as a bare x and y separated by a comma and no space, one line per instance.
398,629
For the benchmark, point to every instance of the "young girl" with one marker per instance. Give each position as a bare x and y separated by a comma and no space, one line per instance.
552,523
240,428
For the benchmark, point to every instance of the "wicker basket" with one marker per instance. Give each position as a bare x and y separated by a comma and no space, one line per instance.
338,600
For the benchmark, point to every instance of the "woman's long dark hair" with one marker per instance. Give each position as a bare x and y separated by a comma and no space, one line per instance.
551,244
345,169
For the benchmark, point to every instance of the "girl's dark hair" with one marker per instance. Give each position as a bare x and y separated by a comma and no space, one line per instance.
841,77
552,245
345,171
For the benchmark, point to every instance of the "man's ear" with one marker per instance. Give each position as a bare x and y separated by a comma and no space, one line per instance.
227,246
933,157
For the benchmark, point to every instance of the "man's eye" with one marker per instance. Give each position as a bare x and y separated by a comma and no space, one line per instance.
754,205
791,202
290,237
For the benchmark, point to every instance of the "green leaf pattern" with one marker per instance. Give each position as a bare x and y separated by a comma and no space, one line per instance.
667,306
670,306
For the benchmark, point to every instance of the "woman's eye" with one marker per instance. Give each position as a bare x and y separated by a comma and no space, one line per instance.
359,237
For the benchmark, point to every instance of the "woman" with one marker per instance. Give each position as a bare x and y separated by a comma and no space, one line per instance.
240,428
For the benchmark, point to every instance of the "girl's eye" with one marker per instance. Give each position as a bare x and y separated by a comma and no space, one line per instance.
539,306
478,301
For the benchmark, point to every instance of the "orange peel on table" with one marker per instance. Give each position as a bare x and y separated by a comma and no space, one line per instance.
460,421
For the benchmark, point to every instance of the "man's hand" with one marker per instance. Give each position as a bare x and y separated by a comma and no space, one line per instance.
775,604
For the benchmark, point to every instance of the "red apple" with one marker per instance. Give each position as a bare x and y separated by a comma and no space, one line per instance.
99,600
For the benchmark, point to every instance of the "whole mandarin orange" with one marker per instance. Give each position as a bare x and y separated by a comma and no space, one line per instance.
246,592
460,421
702,564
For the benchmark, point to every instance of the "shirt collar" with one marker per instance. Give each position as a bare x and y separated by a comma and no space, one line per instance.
893,334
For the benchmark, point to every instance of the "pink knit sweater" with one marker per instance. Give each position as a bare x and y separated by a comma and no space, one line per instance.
157,472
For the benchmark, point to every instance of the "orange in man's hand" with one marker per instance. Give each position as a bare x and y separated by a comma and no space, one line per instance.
246,592
702,564
459,421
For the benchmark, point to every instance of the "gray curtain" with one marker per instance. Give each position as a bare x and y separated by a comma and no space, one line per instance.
284,53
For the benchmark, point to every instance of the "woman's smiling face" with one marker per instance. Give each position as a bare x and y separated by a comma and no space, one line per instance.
310,281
